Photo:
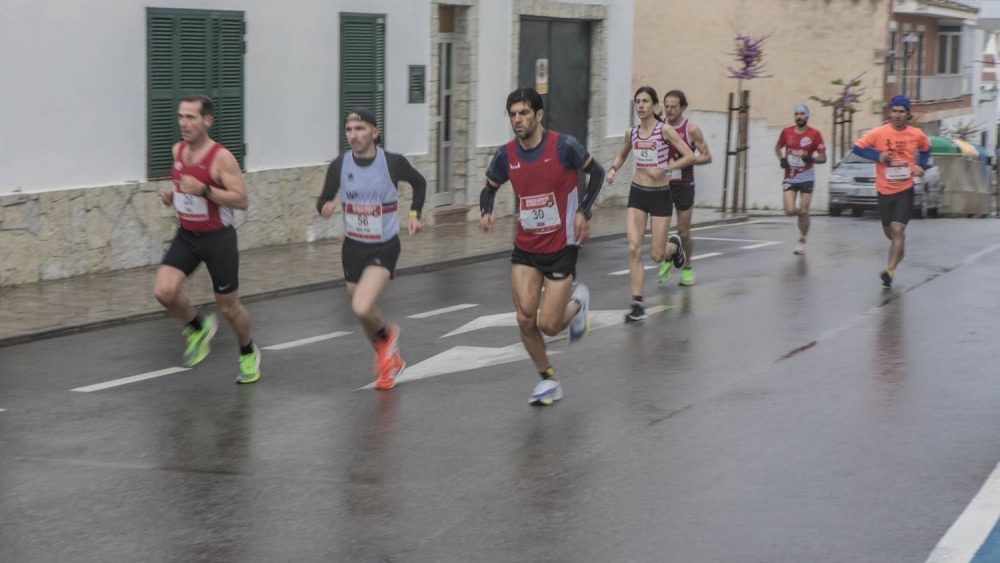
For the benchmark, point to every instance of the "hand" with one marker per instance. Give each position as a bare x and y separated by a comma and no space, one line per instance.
581,227
167,197
885,158
918,170
784,163
191,185
486,222
328,208
413,225
610,178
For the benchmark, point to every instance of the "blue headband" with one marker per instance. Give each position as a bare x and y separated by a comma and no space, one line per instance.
802,108
900,101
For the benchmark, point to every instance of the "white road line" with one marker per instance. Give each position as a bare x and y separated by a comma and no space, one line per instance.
761,245
304,341
735,239
2,410
442,311
706,255
127,380
964,538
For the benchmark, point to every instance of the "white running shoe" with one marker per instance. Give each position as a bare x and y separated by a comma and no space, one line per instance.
800,248
546,392
580,325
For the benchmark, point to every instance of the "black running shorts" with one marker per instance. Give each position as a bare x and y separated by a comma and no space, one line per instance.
217,249
896,208
654,201
556,266
358,255
803,187
683,196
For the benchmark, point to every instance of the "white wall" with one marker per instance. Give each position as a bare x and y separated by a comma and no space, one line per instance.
75,102
496,81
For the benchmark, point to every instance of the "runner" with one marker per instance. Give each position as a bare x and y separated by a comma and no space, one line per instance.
893,147
543,168
370,178
682,181
207,187
800,142
649,195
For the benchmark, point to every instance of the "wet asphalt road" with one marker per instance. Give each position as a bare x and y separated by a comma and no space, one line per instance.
783,409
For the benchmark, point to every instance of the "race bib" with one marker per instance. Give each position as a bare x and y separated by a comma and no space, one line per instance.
191,207
363,221
897,171
674,174
540,214
645,154
796,161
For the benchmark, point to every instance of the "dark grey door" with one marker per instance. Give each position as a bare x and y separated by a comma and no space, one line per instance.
566,46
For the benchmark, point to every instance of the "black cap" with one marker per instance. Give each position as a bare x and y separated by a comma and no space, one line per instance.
361,114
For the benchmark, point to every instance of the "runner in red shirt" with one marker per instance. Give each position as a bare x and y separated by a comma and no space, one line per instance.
543,168
207,187
803,146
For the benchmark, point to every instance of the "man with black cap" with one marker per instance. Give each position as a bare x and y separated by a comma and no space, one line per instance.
367,178
803,146
893,147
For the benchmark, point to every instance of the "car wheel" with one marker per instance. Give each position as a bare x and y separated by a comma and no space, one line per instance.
857,211
836,210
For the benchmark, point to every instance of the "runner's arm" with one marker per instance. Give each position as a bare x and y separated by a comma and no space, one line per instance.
496,175
687,156
869,153
401,169
229,177
619,160
698,140
330,186
487,197
594,183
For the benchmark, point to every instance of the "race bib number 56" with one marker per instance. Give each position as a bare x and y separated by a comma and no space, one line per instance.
363,221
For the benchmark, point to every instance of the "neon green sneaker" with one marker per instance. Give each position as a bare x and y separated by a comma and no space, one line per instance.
199,341
687,276
664,274
249,366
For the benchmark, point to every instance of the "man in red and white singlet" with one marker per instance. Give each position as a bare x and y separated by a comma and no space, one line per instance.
803,146
207,186
543,168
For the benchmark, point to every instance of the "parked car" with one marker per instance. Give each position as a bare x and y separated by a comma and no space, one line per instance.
852,185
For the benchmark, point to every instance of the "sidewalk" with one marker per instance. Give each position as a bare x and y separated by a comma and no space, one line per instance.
58,307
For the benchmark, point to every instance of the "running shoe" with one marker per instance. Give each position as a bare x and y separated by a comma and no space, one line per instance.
800,248
198,341
546,392
637,313
678,256
663,276
580,325
886,277
384,349
249,366
388,371
687,276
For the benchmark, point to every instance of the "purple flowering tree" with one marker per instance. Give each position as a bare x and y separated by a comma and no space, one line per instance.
845,104
749,57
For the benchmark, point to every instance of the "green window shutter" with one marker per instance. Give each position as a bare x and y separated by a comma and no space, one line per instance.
415,84
193,52
362,67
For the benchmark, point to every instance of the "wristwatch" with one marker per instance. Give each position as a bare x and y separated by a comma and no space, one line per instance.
205,191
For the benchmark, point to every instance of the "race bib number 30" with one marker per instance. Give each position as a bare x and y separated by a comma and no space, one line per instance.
645,154
897,171
540,214
363,221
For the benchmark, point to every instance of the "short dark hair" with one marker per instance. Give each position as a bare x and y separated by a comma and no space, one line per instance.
526,95
679,95
207,105
647,90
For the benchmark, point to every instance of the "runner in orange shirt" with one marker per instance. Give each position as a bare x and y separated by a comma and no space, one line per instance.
894,147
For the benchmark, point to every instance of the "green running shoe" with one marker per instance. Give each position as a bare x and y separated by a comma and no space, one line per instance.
663,276
199,341
249,366
687,276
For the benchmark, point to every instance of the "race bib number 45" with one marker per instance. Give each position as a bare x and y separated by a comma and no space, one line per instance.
646,155
363,220
540,214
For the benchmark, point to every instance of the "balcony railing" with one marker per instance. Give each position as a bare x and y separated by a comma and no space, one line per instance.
935,87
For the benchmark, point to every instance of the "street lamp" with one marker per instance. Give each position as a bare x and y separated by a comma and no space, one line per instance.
908,40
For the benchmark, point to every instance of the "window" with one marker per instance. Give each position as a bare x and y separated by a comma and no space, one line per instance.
947,52
193,52
362,67
891,53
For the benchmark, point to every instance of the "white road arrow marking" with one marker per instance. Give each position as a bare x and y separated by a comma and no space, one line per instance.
436,312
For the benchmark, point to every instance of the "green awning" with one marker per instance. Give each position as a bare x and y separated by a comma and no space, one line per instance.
943,145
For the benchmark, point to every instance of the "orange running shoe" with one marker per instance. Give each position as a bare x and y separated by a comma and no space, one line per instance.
388,371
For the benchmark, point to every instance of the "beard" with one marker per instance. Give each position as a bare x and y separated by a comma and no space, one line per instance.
801,123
